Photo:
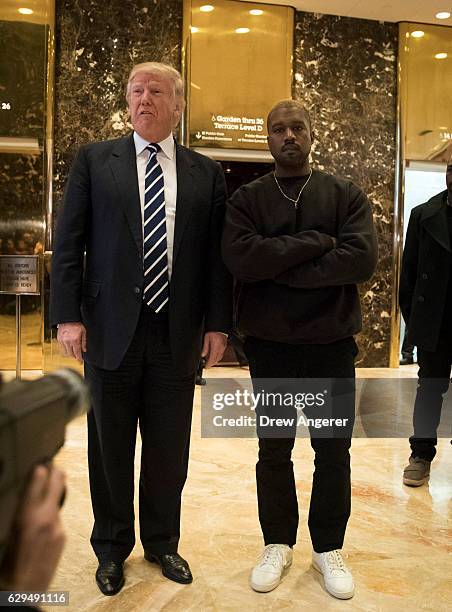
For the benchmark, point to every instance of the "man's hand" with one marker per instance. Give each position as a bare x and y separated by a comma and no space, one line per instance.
213,348
40,536
72,340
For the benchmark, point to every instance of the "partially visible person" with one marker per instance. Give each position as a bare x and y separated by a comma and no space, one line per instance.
199,377
22,247
426,304
38,248
236,340
38,538
29,241
10,248
407,350
298,241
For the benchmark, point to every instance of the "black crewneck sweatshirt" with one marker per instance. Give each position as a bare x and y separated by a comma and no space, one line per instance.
297,269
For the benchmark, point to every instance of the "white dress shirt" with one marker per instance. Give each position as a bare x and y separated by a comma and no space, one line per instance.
167,160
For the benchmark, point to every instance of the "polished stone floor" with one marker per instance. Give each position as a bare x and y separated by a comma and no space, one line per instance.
30,338
398,544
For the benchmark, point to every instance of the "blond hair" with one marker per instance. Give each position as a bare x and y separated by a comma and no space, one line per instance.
163,70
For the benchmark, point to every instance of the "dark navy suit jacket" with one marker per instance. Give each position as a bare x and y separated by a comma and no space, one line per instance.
101,215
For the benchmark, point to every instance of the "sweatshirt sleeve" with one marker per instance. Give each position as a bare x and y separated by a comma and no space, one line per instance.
352,261
219,306
252,257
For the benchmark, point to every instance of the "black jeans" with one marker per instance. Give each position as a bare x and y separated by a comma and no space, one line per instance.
331,491
144,391
434,379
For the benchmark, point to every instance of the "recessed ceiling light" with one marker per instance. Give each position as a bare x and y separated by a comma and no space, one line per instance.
206,8
194,29
417,34
440,55
25,11
256,12
242,30
442,15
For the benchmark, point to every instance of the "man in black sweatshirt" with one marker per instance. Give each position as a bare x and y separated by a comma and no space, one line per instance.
298,241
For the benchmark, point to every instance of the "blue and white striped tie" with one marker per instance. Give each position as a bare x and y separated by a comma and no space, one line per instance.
156,279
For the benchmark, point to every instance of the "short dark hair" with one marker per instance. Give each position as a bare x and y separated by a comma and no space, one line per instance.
289,103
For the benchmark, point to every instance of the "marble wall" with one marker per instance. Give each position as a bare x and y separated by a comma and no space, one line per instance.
22,88
348,80
345,72
22,91
97,44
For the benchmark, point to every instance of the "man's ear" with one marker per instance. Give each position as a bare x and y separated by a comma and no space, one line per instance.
177,112
176,116
313,136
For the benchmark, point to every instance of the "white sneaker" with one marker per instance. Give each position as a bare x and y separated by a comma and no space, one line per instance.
338,579
267,574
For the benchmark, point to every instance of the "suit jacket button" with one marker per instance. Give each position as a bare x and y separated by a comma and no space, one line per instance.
424,276
137,290
421,298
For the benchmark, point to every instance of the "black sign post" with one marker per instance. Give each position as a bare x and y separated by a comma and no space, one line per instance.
19,275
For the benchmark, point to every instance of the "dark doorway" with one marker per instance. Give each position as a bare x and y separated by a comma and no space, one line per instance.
240,173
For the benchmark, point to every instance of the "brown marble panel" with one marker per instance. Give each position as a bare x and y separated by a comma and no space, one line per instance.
345,72
22,91
97,44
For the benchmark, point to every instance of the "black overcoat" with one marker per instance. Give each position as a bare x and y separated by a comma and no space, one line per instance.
425,272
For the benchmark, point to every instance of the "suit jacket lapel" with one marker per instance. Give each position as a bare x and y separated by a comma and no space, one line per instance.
435,222
186,194
123,165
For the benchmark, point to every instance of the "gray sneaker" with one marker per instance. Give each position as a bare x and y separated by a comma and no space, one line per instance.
416,472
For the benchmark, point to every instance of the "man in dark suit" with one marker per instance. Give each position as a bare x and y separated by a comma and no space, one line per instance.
149,214
426,304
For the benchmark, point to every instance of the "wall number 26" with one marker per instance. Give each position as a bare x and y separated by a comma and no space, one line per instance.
6,105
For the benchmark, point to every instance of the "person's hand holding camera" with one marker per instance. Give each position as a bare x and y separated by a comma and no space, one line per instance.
39,533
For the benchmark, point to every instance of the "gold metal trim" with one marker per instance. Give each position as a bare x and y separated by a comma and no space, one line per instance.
399,196
190,9
290,47
186,69
48,146
242,155
48,180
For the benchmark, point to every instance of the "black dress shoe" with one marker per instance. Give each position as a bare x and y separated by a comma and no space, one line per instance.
110,577
407,359
173,567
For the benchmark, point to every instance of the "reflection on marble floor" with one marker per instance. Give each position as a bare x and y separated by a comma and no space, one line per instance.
398,544
31,338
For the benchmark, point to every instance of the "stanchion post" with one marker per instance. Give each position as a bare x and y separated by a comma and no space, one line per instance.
18,340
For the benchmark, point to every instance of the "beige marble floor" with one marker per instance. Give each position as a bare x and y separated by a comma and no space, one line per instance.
398,544
30,340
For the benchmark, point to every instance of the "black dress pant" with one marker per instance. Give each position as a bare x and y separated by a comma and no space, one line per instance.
407,347
434,379
144,390
331,490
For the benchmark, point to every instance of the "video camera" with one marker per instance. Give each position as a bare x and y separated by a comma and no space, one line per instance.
33,419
